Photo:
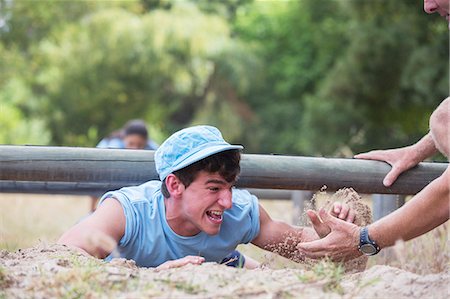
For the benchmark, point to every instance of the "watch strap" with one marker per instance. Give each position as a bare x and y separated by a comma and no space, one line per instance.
365,239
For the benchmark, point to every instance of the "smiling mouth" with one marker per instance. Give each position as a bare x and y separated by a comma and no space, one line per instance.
215,216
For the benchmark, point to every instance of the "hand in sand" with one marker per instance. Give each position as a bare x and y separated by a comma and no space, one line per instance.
400,159
189,259
340,244
338,210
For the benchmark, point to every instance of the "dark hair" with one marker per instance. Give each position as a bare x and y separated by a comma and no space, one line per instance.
226,163
135,126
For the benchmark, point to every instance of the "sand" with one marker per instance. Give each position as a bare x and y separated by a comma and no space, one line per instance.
55,271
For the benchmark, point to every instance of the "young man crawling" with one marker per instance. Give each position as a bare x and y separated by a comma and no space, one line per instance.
193,213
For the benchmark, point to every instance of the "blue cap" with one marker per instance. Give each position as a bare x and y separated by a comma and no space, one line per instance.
188,146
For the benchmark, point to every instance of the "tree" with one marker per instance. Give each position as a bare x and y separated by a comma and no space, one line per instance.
297,42
376,96
115,65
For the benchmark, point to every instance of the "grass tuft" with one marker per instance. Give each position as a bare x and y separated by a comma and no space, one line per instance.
328,273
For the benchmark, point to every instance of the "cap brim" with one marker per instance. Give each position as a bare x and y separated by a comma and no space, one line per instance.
206,153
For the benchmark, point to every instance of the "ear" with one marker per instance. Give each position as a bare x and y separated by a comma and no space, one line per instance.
174,186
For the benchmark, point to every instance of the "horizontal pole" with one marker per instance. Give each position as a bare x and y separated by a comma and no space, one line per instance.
88,167
96,189
38,187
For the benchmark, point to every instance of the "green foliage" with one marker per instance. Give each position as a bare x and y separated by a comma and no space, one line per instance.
301,41
372,97
314,77
345,77
117,65
19,125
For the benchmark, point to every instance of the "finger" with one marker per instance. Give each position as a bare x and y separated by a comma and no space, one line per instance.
192,259
328,219
336,209
392,175
351,216
164,266
372,155
344,212
321,229
314,249
181,262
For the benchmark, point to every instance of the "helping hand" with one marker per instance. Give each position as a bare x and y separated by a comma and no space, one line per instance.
400,159
341,242
341,211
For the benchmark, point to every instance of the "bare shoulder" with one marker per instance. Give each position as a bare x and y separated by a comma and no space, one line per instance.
99,232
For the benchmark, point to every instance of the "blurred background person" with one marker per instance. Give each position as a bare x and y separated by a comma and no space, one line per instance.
133,135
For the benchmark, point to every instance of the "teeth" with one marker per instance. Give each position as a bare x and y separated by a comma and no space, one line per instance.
216,212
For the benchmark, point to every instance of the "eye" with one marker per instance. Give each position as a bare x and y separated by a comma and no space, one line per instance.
213,189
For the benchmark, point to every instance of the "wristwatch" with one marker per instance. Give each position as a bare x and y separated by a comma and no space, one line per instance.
366,245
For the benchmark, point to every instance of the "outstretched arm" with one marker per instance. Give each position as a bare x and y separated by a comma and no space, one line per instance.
402,159
99,233
282,238
425,211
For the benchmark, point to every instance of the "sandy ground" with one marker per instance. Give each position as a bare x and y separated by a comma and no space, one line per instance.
54,271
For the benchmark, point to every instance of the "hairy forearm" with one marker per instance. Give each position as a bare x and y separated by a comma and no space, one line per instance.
284,239
424,148
425,211
287,245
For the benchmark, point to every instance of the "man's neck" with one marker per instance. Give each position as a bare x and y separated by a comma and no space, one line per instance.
176,220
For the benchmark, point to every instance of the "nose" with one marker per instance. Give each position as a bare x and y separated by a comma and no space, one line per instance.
430,6
225,199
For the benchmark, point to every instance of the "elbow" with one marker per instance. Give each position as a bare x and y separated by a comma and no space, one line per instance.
439,127
72,243
88,244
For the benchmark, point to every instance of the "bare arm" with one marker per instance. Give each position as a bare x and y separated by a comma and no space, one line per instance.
403,158
99,233
282,238
427,210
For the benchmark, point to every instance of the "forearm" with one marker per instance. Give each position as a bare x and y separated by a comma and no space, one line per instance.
425,211
282,238
287,245
91,242
424,148
99,233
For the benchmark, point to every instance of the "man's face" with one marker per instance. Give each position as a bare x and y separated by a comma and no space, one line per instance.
203,203
442,7
134,141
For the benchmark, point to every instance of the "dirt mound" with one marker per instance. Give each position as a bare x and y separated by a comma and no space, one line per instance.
363,217
55,271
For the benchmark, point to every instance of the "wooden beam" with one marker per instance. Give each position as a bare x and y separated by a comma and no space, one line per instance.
97,189
80,167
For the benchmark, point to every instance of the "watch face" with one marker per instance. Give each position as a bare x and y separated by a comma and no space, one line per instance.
368,249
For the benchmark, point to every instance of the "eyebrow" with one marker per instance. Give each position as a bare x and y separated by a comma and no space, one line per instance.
215,181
